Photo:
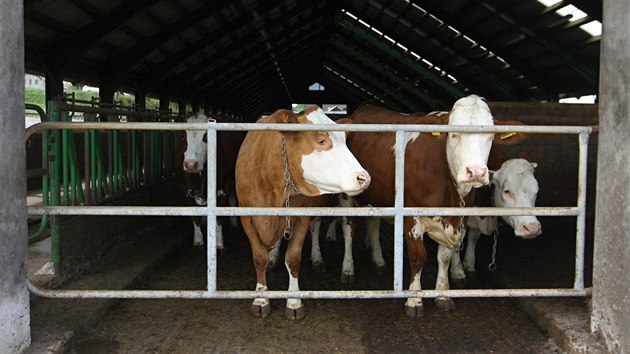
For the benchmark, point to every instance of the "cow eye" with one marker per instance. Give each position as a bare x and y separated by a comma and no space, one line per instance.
507,192
321,141
454,135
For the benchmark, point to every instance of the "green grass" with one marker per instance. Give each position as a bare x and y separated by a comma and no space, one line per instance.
37,96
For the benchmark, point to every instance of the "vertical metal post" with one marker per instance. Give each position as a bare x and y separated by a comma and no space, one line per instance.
399,204
87,162
581,219
211,239
55,197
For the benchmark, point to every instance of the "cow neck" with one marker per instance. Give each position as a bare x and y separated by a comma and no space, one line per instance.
289,187
199,197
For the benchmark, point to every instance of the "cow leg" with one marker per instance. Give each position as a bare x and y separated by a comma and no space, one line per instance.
220,245
417,257
233,203
347,268
316,254
444,257
260,253
469,257
331,232
373,226
293,258
274,255
458,277
198,234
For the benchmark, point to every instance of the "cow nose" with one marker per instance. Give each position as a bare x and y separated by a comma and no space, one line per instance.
191,165
531,229
364,179
477,173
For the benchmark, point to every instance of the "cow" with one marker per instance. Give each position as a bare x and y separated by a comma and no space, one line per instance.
440,171
190,171
282,168
513,185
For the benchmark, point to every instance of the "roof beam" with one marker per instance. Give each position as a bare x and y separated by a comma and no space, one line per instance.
355,75
586,70
447,87
357,56
125,61
82,39
520,66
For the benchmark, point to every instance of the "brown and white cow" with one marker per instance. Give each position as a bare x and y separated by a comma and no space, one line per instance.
440,171
317,163
190,169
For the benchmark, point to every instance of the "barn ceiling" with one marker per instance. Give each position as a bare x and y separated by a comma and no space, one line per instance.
251,56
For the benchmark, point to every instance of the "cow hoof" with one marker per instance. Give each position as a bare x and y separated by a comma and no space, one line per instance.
220,251
459,283
260,311
319,267
199,248
471,275
414,311
445,303
295,314
347,278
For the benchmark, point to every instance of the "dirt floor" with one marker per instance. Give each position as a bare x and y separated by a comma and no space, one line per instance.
341,326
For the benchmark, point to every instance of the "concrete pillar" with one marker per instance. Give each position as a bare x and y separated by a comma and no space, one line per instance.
106,93
181,103
15,333
164,102
140,101
195,104
54,82
611,266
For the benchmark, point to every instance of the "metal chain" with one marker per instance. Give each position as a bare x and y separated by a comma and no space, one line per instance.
493,265
288,187
462,204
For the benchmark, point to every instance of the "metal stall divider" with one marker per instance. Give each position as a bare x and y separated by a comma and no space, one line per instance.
399,211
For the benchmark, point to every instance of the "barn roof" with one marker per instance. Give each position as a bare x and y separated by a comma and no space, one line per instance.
252,56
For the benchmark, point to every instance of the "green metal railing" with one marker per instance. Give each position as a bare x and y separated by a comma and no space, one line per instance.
114,162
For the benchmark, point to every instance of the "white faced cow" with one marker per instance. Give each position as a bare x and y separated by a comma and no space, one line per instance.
316,163
440,171
514,185
190,169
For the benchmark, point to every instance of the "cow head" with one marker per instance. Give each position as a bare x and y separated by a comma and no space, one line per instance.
467,153
515,186
196,149
325,162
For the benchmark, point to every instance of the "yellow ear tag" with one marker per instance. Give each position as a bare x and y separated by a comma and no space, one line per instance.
435,133
507,135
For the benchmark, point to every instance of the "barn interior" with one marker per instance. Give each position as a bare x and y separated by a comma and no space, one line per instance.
239,60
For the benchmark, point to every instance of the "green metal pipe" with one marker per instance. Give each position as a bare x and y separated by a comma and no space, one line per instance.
114,161
64,166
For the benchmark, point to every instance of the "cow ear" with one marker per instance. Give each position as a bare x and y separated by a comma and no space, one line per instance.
525,156
284,116
345,121
509,138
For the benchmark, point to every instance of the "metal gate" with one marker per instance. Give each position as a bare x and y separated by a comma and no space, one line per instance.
399,211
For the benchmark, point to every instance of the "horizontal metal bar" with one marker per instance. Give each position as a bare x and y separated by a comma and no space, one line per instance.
36,172
235,211
304,294
544,129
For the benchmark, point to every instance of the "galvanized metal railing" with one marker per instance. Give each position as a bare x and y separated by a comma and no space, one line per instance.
399,211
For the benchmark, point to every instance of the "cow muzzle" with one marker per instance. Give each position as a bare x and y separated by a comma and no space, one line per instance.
529,230
476,175
363,180
191,166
